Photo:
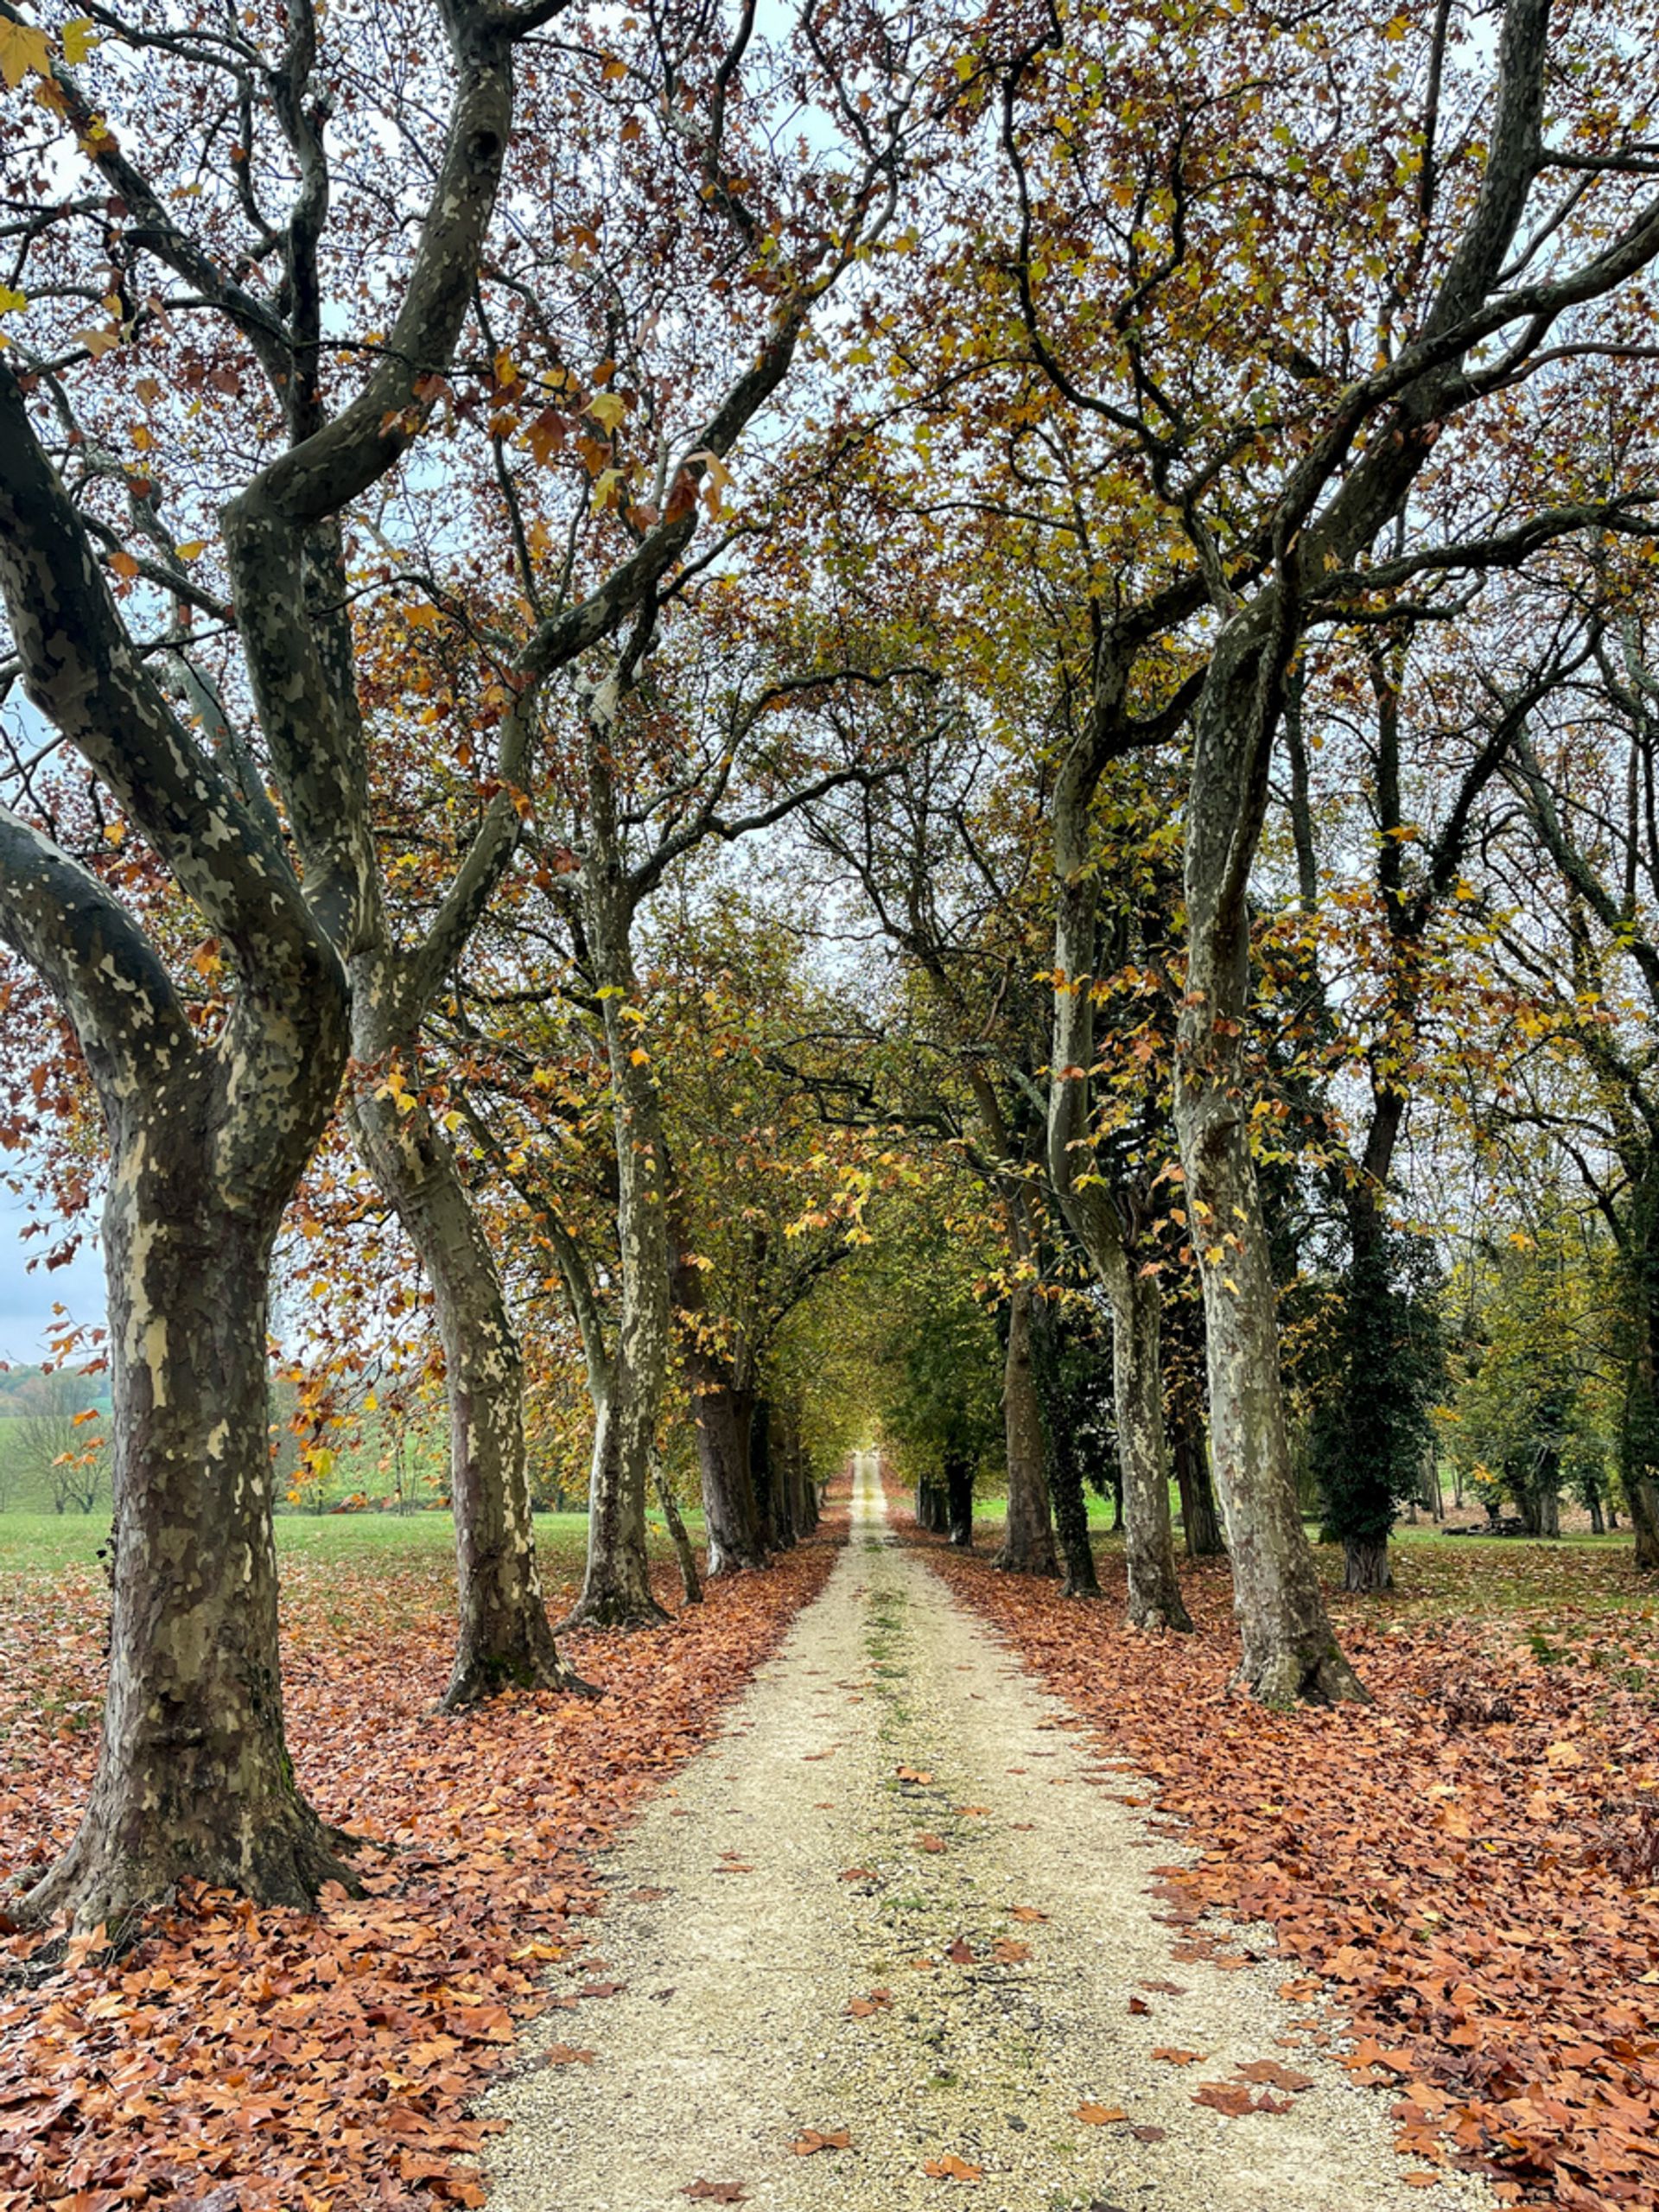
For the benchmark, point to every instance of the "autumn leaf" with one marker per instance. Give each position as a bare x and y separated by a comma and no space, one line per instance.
25,50
1094,2115
813,2140
950,2167
1027,1915
926,1841
1009,1953
1177,2057
717,2192
861,2008
564,2054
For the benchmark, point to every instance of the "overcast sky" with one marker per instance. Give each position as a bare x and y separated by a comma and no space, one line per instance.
26,1299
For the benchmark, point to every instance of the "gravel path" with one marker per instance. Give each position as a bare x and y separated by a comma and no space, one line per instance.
896,1819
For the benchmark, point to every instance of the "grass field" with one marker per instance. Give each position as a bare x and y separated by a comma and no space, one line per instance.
44,1543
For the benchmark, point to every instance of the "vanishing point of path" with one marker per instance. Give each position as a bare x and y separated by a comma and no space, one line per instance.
895,1818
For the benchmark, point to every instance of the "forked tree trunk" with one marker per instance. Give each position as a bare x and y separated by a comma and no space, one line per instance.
1028,1541
1149,1543
194,1779
504,1641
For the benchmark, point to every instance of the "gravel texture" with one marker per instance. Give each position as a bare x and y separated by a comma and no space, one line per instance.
896,1815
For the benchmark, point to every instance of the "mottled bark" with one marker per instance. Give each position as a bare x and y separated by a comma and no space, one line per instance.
504,1641
194,1781
1027,1545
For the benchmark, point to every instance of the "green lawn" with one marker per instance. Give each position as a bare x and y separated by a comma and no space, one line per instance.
44,1542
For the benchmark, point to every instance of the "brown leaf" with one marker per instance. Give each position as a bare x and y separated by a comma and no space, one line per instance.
566,2054
717,2192
1100,2115
1269,2070
961,1952
860,2008
1139,2005
950,2167
1027,1915
926,1841
1009,1953
857,1874
821,2138
1146,2134
1176,2057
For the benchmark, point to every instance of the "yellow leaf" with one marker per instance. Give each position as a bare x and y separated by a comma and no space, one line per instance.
639,1057
78,39
98,342
10,302
192,548
607,409
23,48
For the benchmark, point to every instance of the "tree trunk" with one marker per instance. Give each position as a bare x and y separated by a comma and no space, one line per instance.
1289,1649
616,1585
729,1514
194,1780
959,1499
1066,1490
1190,1452
1366,1564
1028,1541
505,1640
768,1478
731,1518
1154,1591
677,1535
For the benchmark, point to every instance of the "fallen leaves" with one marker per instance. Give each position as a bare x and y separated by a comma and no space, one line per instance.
861,2008
811,2140
1237,2098
1009,1953
1448,1860
1027,1914
927,1841
717,2192
1177,2057
1094,2115
266,2061
950,2167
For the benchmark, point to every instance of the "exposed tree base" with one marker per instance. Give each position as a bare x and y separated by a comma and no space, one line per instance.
1074,1586
963,1539
1167,1612
1288,1677
98,1883
1366,1567
1040,1562
723,1558
613,1609
475,1680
